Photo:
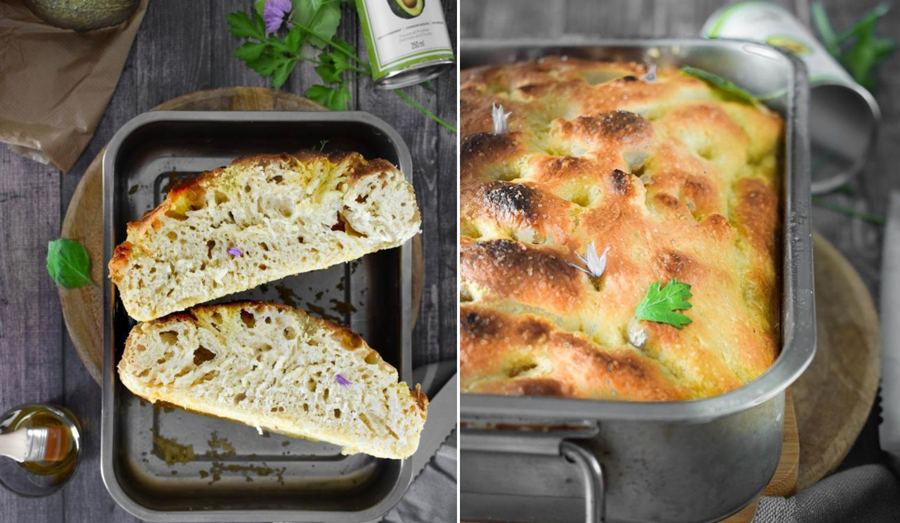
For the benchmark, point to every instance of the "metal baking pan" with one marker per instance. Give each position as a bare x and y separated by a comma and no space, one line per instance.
164,464
640,462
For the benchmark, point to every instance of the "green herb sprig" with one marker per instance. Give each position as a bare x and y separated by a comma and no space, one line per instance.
857,48
69,264
313,23
660,304
823,203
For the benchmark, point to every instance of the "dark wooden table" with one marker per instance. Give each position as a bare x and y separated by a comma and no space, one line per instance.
183,47
859,241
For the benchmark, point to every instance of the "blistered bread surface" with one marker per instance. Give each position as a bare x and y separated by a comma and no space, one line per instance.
677,178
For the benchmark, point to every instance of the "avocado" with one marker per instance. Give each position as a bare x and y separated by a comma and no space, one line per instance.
83,15
407,8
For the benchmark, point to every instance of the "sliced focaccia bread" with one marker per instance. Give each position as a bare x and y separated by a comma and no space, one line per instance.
258,220
274,367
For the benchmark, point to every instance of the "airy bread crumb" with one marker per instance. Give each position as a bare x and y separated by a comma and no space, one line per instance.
274,367
258,220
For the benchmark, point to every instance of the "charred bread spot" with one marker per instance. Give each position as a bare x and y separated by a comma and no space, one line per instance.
532,274
372,167
620,182
479,324
502,198
618,126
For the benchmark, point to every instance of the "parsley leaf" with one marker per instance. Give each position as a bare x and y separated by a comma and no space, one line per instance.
660,304
240,25
334,98
69,264
249,51
333,64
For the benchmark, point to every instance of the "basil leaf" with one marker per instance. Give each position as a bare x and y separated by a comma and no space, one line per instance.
320,16
69,264
334,98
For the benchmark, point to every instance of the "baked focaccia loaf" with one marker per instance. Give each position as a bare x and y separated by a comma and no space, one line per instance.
274,367
260,219
678,179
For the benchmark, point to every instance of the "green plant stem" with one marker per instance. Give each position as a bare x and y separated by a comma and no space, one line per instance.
847,211
332,44
423,110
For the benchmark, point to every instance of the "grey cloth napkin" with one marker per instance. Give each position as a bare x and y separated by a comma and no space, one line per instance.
432,495
866,494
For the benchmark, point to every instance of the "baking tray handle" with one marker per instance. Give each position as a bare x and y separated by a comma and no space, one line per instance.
592,472
566,444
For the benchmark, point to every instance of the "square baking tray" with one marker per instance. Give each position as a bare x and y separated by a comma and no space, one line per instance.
166,464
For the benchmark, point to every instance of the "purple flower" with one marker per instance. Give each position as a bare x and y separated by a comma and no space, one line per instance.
234,251
342,381
273,14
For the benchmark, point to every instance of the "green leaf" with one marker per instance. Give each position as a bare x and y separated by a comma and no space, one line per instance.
284,70
865,23
823,27
660,304
259,25
69,264
249,52
867,49
334,98
240,25
321,16
721,83
267,64
292,40
333,64
260,6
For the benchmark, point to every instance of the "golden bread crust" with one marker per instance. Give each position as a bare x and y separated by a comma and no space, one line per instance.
678,180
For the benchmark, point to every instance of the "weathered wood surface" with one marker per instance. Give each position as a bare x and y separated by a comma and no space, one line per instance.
180,48
858,241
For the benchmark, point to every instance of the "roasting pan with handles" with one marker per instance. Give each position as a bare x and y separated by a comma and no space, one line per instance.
557,460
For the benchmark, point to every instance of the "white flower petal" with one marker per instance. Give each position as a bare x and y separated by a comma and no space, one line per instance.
500,119
596,264
651,74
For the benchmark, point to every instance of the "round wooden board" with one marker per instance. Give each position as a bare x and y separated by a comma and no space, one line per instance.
83,307
835,394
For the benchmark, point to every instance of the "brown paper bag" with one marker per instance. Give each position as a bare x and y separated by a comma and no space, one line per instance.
55,83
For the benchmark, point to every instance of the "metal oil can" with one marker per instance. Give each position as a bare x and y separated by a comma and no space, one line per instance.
408,41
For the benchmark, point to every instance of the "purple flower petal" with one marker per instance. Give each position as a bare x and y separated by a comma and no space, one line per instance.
234,251
273,14
342,381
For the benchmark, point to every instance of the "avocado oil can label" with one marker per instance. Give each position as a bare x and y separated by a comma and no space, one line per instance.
407,40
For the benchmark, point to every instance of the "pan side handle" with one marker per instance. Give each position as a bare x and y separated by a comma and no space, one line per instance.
569,445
